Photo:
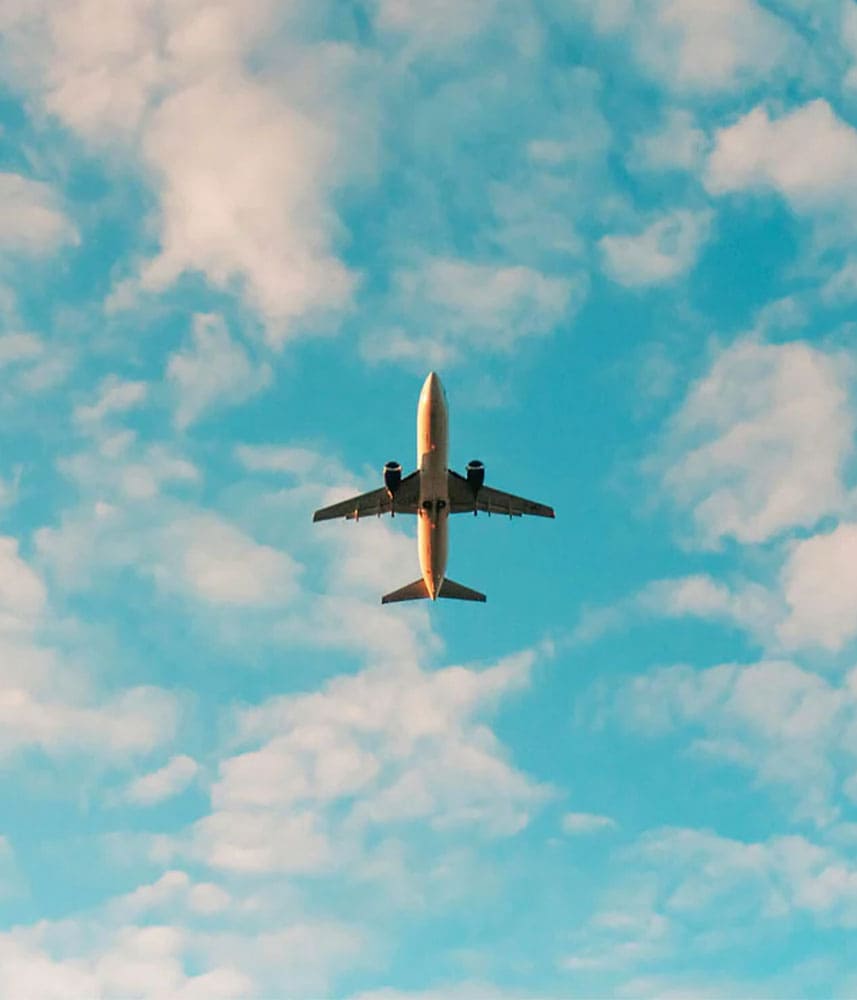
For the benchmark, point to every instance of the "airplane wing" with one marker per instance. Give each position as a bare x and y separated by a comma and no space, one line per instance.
463,500
376,502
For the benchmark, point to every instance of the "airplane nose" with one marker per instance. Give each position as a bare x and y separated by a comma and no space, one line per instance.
432,387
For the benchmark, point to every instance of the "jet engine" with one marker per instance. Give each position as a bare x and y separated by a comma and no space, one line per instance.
475,475
392,477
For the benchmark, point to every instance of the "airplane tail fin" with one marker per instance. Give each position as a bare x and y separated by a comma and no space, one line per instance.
455,591
416,591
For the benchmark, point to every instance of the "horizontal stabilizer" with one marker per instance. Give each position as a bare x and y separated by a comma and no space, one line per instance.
416,591
456,592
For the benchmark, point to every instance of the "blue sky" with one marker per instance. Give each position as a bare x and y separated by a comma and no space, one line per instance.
233,240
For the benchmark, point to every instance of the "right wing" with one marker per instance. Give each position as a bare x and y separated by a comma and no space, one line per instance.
376,502
462,500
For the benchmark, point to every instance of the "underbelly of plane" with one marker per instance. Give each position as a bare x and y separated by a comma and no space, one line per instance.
433,539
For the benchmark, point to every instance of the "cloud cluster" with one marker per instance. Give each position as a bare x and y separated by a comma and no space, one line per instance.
32,218
214,370
244,163
700,894
793,730
807,155
378,751
696,47
46,701
105,954
761,442
460,309
663,251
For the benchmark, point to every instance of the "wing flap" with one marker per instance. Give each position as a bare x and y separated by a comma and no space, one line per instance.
462,499
376,502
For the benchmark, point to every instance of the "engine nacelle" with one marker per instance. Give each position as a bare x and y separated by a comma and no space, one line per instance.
392,477
475,474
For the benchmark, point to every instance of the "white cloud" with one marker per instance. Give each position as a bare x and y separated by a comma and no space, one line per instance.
213,371
22,593
473,308
663,251
30,365
244,163
136,721
695,893
435,23
848,28
219,563
787,726
115,395
207,898
31,218
841,286
18,347
276,458
102,954
819,582
388,747
127,520
748,606
677,145
769,878
144,962
172,894
46,701
244,182
760,443
809,156
696,46
578,824
158,786
466,990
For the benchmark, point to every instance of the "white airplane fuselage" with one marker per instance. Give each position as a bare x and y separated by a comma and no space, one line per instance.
432,461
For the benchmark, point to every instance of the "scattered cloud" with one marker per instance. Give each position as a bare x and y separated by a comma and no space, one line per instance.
183,549
761,441
23,595
244,164
581,824
435,24
136,721
473,308
219,563
281,459
244,181
696,47
115,396
378,751
807,155
819,583
32,220
791,728
665,250
749,606
678,144
158,786
697,893
767,879
213,371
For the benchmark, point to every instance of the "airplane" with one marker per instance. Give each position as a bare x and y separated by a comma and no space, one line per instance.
432,492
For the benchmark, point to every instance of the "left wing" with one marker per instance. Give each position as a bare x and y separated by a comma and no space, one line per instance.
376,502
463,499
